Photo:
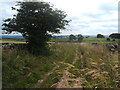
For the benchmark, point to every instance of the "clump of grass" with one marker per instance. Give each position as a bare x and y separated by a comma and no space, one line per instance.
99,64
51,80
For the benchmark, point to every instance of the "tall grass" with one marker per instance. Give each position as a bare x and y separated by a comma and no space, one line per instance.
98,67
95,64
23,70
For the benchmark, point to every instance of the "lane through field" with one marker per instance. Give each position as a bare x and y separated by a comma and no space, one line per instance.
68,79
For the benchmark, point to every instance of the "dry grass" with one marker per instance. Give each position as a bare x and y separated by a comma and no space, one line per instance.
86,65
100,66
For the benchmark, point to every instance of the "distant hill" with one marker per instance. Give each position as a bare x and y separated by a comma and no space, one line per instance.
12,37
57,36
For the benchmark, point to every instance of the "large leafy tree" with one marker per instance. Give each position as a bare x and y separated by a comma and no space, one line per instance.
35,21
72,37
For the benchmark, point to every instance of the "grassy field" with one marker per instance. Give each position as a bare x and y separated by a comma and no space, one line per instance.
99,40
70,65
12,41
86,40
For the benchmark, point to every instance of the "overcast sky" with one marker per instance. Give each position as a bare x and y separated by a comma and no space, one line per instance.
89,17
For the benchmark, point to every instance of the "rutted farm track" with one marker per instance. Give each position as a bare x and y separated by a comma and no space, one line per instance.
67,80
82,72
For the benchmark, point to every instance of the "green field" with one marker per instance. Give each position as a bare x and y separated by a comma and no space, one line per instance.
86,40
99,40
12,41
69,65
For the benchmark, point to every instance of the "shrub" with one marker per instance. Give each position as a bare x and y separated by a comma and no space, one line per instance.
108,39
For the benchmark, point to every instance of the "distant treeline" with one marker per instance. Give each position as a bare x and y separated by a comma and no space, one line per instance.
113,35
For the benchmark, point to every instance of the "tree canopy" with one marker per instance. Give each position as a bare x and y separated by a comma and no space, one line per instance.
115,35
80,38
35,21
100,36
72,37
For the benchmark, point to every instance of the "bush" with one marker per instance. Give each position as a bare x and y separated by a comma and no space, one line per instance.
113,39
108,39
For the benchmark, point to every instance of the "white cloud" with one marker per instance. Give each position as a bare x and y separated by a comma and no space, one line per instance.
88,16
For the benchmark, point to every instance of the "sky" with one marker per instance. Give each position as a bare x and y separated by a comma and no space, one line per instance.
88,17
